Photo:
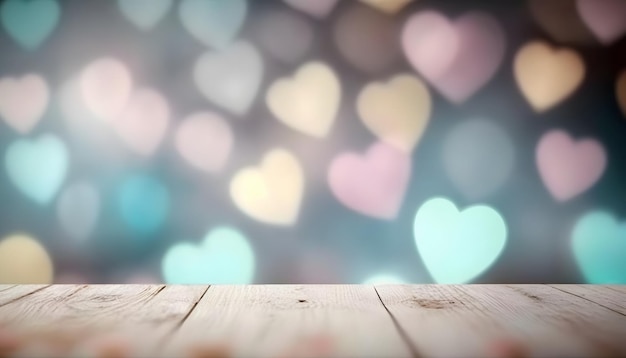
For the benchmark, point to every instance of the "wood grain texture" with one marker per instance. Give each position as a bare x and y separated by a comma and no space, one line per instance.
294,321
71,314
291,321
466,320
611,297
10,293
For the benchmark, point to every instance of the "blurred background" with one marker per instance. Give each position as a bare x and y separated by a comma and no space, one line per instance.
313,141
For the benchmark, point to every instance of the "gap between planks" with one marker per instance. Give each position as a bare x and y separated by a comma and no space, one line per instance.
407,340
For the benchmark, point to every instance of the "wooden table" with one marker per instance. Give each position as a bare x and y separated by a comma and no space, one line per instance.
324,320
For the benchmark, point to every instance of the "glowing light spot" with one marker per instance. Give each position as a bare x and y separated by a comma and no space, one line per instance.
23,260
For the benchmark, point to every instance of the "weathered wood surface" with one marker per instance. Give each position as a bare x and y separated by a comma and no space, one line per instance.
324,320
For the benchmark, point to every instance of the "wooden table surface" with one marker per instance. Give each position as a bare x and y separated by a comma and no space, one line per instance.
320,320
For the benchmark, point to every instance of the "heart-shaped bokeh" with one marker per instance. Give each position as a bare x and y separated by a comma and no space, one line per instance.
458,57
143,121
204,140
30,23
547,76
223,257
397,112
145,14
568,168
230,78
37,167
214,23
457,246
309,101
599,247
373,184
105,85
605,18
23,101
271,193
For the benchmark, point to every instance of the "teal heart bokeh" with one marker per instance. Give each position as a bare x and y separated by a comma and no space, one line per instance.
456,246
37,167
30,23
144,14
144,204
223,257
215,23
599,246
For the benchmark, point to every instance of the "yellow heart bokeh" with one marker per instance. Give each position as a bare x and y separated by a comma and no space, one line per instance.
272,192
547,76
620,91
387,6
397,112
309,101
23,260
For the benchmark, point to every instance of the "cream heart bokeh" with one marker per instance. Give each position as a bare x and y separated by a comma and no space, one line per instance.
23,101
457,246
204,140
309,101
397,112
223,257
271,193
106,85
23,260
547,76
143,121
387,6
620,91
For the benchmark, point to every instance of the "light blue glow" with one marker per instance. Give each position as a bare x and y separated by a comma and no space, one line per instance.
144,204
224,257
599,246
29,23
458,246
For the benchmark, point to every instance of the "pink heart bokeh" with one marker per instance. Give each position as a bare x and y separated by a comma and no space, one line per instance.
457,58
23,101
373,184
143,122
605,18
204,140
567,167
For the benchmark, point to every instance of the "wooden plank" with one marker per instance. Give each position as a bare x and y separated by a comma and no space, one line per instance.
618,288
607,296
5,287
16,292
70,314
470,321
292,321
597,327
